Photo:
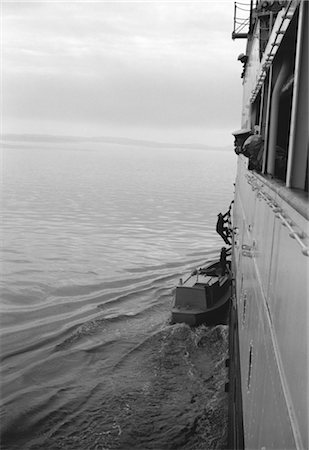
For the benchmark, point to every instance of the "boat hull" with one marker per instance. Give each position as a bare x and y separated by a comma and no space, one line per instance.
204,300
194,317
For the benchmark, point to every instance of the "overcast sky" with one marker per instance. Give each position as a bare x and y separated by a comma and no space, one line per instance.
158,70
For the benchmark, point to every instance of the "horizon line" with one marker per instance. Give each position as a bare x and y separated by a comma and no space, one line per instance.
50,138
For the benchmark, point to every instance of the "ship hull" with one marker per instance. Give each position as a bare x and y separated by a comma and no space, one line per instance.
271,316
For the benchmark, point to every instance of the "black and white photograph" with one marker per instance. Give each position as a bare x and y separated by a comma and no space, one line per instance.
154,225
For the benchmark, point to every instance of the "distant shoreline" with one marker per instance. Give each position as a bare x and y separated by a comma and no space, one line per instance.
22,140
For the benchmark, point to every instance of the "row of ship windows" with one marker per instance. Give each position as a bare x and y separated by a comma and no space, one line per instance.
279,113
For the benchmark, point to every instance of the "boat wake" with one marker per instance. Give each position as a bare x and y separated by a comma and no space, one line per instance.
167,392
110,372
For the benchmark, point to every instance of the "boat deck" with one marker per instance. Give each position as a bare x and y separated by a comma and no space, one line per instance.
201,280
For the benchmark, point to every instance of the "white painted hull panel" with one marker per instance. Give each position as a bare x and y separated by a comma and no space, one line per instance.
272,302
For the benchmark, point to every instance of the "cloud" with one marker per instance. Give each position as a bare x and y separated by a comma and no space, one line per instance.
136,64
136,95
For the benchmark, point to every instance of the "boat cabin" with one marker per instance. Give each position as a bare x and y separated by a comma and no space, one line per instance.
199,292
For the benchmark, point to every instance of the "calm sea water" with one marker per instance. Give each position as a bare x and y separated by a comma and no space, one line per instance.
95,239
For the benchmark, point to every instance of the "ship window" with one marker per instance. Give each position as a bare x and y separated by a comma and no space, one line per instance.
307,170
264,114
281,104
284,121
266,23
255,112
297,171
244,308
267,13
250,366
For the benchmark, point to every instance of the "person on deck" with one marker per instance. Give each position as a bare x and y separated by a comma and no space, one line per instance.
223,231
240,137
253,148
250,145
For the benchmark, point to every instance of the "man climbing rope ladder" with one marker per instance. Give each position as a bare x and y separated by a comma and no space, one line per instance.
224,263
222,230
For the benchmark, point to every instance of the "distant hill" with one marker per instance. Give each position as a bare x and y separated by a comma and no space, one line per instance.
37,138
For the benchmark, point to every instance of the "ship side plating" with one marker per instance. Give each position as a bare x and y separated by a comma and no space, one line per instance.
269,407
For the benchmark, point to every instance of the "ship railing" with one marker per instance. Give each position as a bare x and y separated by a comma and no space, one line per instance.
242,20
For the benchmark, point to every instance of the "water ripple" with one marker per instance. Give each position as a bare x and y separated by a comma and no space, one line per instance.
94,243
